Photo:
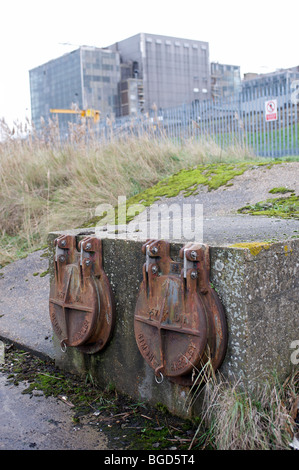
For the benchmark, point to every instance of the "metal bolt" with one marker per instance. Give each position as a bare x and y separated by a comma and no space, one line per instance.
155,269
88,246
194,275
62,258
88,262
154,250
193,254
63,243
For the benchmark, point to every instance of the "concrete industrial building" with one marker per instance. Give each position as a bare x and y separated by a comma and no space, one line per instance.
86,78
130,76
173,70
282,78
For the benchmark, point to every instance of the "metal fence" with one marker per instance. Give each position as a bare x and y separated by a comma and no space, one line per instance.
264,120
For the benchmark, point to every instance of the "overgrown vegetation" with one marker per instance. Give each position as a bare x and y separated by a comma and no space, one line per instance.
48,185
238,417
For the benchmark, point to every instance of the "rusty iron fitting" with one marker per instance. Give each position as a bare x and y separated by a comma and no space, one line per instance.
194,275
81,304
155,269
179,321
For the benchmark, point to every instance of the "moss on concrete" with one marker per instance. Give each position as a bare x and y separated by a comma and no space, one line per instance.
282,207
281,190
185,182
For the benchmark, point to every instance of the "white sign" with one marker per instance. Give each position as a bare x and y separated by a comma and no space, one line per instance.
271,110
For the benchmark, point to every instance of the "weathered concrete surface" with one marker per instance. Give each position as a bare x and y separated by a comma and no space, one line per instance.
258,287
40,423
24,304
216,230
260,292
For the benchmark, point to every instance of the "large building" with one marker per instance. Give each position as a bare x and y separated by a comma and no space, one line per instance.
87,78
135,75
173,70
282,78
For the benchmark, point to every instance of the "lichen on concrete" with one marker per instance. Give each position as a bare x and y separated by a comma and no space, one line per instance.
254,247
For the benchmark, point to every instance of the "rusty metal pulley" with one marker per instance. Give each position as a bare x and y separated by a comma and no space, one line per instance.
81,304
179,320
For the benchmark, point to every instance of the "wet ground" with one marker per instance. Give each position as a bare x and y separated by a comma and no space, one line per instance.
44,408
34,422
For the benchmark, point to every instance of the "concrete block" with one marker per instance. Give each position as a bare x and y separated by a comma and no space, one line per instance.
258,287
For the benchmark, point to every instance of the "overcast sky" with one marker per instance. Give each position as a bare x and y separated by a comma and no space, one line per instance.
258,35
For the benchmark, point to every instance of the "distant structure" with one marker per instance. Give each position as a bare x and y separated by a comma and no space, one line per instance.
130,76
168,71
280,78
87,77
225,80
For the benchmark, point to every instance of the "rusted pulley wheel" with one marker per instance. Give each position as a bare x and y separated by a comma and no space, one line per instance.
217,330
81,302
178,319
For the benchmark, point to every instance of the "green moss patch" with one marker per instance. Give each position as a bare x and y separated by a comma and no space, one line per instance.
186,182
282,207
281,190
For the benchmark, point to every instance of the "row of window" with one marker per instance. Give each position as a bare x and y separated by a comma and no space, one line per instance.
186,45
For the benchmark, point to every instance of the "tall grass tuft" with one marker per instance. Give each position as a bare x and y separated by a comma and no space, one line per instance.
246,417
47,184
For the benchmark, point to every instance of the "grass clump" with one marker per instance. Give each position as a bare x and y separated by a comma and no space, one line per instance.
239,417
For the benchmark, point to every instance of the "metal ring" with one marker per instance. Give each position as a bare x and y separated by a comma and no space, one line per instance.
63,346
162,377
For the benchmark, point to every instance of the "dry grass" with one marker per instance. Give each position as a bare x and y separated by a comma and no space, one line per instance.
246,417
46,184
